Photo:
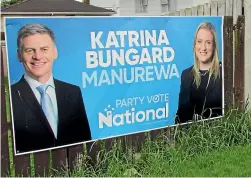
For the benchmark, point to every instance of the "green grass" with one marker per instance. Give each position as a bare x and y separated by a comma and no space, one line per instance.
12,166
12,170
7,99
220,147
232,161
217,148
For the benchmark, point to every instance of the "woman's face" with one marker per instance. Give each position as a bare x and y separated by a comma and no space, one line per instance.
204,47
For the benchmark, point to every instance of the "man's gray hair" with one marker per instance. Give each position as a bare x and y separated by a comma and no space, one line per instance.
32,29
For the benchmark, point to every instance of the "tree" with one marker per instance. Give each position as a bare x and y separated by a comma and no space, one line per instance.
87,1
6,3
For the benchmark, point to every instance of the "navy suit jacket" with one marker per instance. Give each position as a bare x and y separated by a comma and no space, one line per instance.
187,110
32,130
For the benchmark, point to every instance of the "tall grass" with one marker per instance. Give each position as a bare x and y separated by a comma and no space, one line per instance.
201,137
162,156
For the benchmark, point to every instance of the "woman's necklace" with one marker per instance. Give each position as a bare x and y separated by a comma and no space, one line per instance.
204,73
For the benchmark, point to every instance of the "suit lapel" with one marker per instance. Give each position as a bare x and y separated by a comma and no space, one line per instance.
29,98
61,100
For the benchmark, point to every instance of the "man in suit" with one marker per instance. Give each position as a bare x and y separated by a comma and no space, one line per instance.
46,112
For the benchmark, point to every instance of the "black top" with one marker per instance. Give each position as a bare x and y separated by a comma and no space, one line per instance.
205,101
197,96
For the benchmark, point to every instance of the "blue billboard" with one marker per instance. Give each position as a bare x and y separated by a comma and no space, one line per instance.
126,73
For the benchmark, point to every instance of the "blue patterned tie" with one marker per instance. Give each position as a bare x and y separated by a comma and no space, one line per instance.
47,107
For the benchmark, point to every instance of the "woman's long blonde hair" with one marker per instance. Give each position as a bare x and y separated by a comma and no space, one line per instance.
215,64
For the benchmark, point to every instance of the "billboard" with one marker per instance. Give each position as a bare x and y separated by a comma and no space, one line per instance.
79,79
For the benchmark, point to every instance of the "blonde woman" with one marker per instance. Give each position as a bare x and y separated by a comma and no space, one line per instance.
200,94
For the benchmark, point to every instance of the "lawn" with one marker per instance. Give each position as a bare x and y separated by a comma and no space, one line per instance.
220,147
230,162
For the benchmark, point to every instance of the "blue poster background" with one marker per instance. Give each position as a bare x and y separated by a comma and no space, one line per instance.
73,40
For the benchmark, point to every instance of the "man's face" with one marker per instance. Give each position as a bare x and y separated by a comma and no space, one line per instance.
204,46
38,54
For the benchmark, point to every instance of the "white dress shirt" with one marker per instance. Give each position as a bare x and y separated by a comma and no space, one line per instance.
50,91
